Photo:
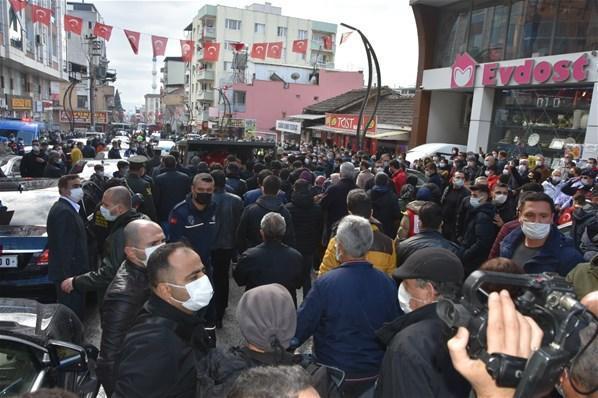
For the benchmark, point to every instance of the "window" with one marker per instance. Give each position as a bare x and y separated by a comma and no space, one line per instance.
302,34
2,82
259,28
227,65
232,24
228,45
453,22
89,25
577,27
281,31
488,29
82,101
12,84
238,101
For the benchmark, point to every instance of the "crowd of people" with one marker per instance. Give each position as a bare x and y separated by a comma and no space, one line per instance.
370,243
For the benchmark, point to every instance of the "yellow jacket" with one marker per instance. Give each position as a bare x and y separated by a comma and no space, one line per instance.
382,254
76,155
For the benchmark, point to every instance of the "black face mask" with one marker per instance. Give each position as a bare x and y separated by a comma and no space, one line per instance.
203,198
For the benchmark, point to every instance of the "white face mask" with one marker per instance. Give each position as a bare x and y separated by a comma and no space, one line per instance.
487,173
506,172
76,194
458,182
405,299
200,293
107,214
535,230
556,179
522,169
500,199
149,250
474,202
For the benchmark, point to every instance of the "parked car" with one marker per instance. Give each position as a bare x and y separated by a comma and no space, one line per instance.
430,149
41,346
11,165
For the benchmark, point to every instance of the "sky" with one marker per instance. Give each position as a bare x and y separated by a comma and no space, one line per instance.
388,24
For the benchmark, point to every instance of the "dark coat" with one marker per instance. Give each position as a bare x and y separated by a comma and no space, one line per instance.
307,220
451,202
144,188
67,242
248,233
417,362
342,311
157,355
170,188
124,298
557,255
582,217
238,185
385,205
508,210
334,202
54,170
33,165
425,238
480,233
270,262
436,180
229,208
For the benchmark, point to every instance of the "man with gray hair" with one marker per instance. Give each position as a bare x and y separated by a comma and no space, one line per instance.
334,201
271,261
345,307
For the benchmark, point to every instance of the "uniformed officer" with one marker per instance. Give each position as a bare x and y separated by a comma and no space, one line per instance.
139,185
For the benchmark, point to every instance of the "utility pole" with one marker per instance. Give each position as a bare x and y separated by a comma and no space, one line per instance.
95,50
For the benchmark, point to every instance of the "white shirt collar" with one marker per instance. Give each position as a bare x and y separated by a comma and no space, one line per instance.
76,206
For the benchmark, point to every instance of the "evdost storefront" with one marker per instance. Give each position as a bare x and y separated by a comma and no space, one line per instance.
514,75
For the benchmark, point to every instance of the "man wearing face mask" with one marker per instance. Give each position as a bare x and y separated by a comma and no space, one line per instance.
538,246
580,186
451,200
472,170
34,162
55,167
480,230
158,354
139,185
67,242
553,185
417,362
126,295
506,205
116,208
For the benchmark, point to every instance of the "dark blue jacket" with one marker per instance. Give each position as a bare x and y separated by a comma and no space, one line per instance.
197,228
343,310
557,255
253,195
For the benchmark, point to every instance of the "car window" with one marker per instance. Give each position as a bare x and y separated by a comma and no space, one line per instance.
30,199
19,367
16,166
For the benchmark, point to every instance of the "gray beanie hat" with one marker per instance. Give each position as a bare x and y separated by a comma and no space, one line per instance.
266,314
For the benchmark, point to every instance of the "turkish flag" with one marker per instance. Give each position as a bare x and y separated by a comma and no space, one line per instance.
18,5
258,50
73,24
300,46
41,15
159,45
274,50
103,31
327,40
187,50
211,51
133,38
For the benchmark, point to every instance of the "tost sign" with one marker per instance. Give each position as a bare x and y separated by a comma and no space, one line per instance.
528,72
348,122
17,103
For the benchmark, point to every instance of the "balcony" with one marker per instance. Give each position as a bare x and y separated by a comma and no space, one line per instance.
208,33
205,74
206,95
318,45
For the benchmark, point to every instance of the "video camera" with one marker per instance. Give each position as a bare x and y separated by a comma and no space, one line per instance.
547,298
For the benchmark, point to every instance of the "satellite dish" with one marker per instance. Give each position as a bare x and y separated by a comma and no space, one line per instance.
295,76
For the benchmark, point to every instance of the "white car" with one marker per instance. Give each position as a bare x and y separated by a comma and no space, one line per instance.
11,165
428,150
109,167
165,146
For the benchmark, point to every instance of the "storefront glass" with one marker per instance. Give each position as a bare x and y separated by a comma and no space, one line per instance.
452,36
540,120
576,30
488,30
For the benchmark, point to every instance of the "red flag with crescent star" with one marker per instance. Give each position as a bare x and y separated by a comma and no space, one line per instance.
103,31
133,38
327,41
159,45
211,51
258,50
73,24
41,15
300,46
274,50
18,5
187,50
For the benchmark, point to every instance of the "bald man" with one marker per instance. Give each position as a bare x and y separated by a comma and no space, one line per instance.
126,294
117,209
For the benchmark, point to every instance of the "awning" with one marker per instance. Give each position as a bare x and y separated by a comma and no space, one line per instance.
306,116
380,135
393,136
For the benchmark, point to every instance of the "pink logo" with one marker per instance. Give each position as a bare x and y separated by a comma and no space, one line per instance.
463,71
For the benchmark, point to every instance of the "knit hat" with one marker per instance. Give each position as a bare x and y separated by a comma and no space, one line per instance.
423,194
307,176
267,314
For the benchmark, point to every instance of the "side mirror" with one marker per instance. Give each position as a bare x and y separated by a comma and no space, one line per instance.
65,355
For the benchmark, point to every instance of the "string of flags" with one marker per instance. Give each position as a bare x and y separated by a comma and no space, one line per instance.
74,25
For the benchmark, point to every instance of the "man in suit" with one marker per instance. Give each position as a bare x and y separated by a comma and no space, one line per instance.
67,242
170,188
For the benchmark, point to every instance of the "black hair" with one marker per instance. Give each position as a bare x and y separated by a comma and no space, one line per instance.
261,176
430,215
169,162
219,178
536,197
359,203
271,382
271,185
158,265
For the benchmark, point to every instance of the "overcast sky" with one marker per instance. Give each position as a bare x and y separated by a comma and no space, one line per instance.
389,25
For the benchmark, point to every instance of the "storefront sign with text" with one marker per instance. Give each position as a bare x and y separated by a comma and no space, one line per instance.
528,72
348,122
83,117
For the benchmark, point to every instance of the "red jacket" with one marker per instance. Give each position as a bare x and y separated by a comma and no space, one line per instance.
506,229
399,179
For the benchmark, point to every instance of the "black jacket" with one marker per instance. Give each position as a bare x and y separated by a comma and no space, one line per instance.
425,238
238,185
229,208
508,210
270,262
385,205
54,170
67,242
480,232
33,165
450,202
124,298
248,233
417,362
157,357
582,217
307,220
170,188
334,202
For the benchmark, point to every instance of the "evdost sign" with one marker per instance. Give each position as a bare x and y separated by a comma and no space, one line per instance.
529,72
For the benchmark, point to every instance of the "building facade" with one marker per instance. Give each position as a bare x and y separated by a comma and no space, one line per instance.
32,58
516,75
257,23
173,100
152,108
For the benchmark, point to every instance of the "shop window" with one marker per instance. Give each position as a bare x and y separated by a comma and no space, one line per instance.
488,30
82,102
452,33
540,120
